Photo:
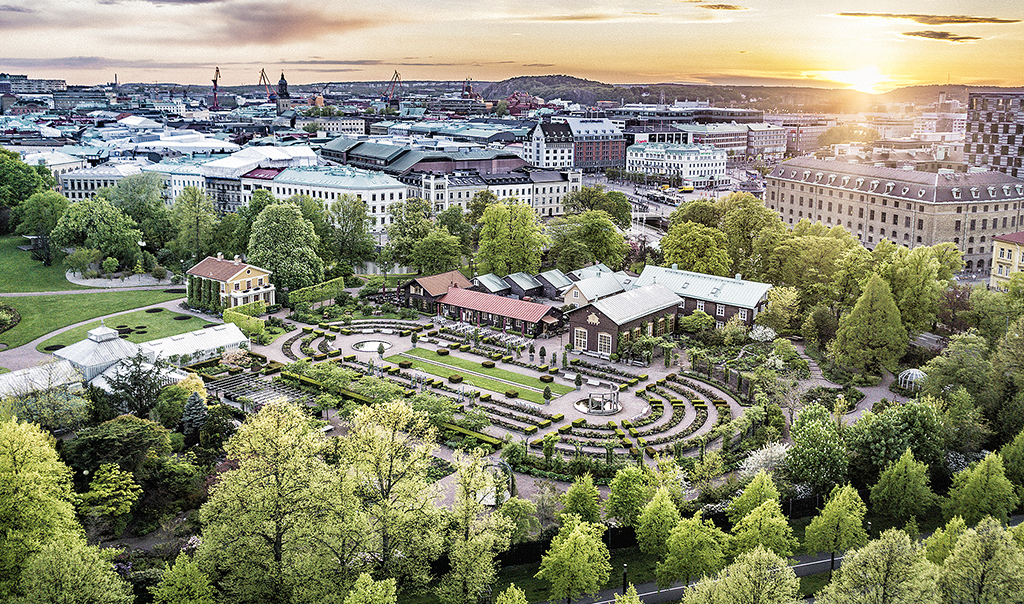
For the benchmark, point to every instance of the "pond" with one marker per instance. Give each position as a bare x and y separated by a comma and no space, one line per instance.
370,345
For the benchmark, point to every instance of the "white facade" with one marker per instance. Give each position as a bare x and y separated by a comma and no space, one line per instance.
550,146
177,176
82,184
58,163
698,163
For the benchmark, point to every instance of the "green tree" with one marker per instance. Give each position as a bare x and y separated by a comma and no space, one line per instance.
630,597
476,536
454,219
68,571
96,224
223,237
295,265
522,513
876,440
614,203
699,211
35,499
940,544
756,577
582,500
18,180
350,234
194,216
840,526
38,215
110,498
283,526
126,440
916,288
136,387
183,583
511,239
656,522
818,455
964,362
902,491
594,232
783,310
1013,463
577,561
891,570
389,451
630,490
745,218
438,252
512,595
695,548
368,591
697,248
981,490
986,566
871,336
1007,378
140,197
763,526
194,414
410,223
757,491
847,134
261,198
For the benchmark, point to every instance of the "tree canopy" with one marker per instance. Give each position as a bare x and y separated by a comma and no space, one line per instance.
295,265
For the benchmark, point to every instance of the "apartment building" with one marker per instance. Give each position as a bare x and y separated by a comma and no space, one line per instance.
995,131
701,164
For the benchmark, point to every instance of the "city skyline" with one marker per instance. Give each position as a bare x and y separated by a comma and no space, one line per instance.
870,46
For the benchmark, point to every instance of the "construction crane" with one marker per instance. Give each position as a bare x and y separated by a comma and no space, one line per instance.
266,85
216,78
389,89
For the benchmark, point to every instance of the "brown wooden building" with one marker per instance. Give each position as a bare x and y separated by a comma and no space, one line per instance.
424,292
649,310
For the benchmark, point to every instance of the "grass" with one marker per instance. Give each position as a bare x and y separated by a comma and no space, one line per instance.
20,273
812,584
42,314
158,325
4,370
443,371
497,372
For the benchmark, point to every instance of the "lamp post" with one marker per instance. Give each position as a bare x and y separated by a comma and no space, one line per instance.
623,578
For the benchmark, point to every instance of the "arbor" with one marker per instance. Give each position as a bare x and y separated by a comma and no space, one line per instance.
700,211
18,180
891,570
68,571
96,224
902,491
194,216
697,248
140,197
783,309
476,536
389,450
577,561
582,500
614,203
522,514
410,223
295,265
876,440
136,385
981,490
126,440
183,583
454,220
38,215
695,548
840,526
438,252
1013,463
630,490
744,219
872,335
757,491
591,234
511,239
986,566
964,362
764,526
756,577
656,522
284,525
35,499
351,240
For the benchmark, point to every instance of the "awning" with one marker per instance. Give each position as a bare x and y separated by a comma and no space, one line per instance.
548,319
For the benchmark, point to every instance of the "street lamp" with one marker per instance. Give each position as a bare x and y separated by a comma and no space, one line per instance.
623,578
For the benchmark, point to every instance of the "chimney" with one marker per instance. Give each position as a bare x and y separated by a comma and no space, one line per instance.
739,277
237,258
675,266
220,255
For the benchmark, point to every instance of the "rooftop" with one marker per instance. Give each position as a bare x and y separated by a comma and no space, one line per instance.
627,306
711,288
436,285
219,269
531,312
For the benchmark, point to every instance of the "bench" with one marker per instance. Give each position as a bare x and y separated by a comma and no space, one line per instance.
593,382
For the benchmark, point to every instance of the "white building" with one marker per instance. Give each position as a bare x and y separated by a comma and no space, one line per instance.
82,184
198,345
701,164
58,163
550,145
178,174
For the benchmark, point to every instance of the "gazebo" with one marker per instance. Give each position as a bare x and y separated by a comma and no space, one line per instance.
911,379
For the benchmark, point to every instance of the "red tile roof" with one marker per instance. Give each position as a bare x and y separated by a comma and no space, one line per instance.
437,285
530,312
263,173
1017,238
220,270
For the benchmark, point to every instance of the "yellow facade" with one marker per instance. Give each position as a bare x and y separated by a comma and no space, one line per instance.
1006,260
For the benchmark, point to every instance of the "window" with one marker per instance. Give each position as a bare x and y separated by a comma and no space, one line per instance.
238,285
575,293
700,305
604,343
743,314
719,310
579,339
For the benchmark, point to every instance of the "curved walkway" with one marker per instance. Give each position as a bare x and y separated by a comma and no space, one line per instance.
872,394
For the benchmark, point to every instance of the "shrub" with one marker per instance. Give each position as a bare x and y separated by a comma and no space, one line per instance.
442,352
485,396
455,378
511,394
565,429
547,379
487,364
405,364
159,272
530,430
544,423
557,417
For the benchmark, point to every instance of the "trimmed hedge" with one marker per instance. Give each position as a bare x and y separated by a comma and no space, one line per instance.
487,364
578,422
349,358
542,368
565,429
553,371
557,417
431,334
511,394
544,423
547,379
506,359
485,438
429,326
453,346
455,378
404,333
334,353
405,364
485,396
442,352
530,430
465,347
250,326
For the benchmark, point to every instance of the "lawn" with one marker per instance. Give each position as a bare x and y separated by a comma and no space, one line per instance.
20,273
42,314
157,325
443,371
497,372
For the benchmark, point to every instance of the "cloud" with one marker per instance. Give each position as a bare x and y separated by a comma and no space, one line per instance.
723,7
543,65
277,23
584,17
7,8
946,36
91,62
934,19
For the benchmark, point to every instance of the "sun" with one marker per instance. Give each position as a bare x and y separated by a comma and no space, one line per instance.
867,79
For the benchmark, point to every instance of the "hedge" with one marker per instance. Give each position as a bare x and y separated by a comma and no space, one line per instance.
544,423
485,438
442,352
334,353
553,371
578,422
487,364
455,378
429,326
453,346
464,348
558,417
307,329
506,359
405,364
530,430
565,429
404,333
328,290
250,326
320,356
547,379
485,396
511,394
542,368
431,334
349,358
252,309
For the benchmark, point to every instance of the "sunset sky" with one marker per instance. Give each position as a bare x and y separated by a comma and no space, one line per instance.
870,45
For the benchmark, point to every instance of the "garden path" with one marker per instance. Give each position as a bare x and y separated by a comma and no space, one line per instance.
872,394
